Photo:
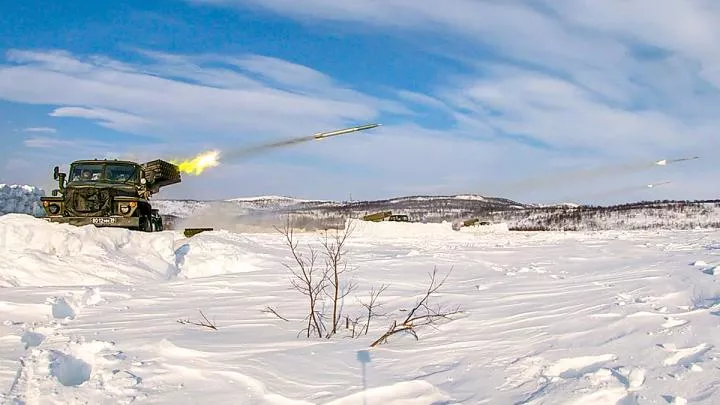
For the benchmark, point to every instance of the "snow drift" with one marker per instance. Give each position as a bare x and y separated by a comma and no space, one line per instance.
413,230
36,252
39,253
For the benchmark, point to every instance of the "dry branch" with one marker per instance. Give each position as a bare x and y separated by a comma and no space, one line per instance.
269,309
421,314
370,306
204,323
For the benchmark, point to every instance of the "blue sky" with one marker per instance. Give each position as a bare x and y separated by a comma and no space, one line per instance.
538,100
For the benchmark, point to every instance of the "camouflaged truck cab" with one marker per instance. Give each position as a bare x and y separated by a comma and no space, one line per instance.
111,193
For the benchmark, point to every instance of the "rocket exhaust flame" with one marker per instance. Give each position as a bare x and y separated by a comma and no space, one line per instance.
199,163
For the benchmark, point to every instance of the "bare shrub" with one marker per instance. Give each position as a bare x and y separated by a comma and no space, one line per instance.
421,314
334,247
327,286
371,305
306,278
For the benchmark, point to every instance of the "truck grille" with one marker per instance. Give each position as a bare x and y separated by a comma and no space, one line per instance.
87,202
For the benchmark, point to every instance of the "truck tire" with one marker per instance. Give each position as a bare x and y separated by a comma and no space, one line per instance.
145,224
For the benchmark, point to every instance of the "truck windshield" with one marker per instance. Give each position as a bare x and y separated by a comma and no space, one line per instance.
112,173
86,172
120,173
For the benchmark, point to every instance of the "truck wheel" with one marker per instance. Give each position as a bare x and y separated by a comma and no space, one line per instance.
145,224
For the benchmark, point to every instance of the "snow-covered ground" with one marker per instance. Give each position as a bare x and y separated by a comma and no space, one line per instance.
20,199
613,317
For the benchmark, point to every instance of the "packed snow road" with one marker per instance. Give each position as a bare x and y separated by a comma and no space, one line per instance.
91,316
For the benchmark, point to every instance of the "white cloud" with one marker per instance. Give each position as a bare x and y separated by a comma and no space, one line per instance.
107,118
40,129
178,97
565,115
518,29
47,143
62,146
611,81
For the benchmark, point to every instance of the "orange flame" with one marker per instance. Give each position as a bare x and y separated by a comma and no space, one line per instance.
199,163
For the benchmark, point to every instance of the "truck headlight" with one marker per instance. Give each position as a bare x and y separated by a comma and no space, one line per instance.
54,209
125,209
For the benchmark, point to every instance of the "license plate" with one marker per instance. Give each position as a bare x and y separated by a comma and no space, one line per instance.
103,221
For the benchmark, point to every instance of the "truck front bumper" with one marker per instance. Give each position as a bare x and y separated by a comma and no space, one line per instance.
112,221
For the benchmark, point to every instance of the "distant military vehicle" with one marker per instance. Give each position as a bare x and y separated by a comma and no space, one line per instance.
112,193
458,223
377,217
386,216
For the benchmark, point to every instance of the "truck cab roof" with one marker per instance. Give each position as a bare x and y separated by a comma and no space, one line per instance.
103,161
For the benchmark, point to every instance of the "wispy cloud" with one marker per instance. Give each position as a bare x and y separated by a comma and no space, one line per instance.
41,142
589,83
40,129
107,118
176,96
576,74
520,29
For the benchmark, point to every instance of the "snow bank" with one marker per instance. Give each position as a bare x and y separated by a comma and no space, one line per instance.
20,199
214,253
404,230
392,230
39,253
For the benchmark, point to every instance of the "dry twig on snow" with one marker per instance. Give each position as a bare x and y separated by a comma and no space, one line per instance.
204,323
421,314
272,311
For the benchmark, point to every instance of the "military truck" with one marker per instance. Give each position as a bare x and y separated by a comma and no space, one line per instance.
386,216
110,193
459,223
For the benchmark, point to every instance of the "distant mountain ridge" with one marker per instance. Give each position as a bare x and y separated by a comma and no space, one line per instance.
415,206
665,214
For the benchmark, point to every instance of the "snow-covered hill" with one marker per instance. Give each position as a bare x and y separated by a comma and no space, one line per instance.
642,215
101,316
20,199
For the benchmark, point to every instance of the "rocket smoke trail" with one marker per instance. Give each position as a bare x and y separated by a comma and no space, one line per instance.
621,190
196,165
553,179
571,175
253,150
664,162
